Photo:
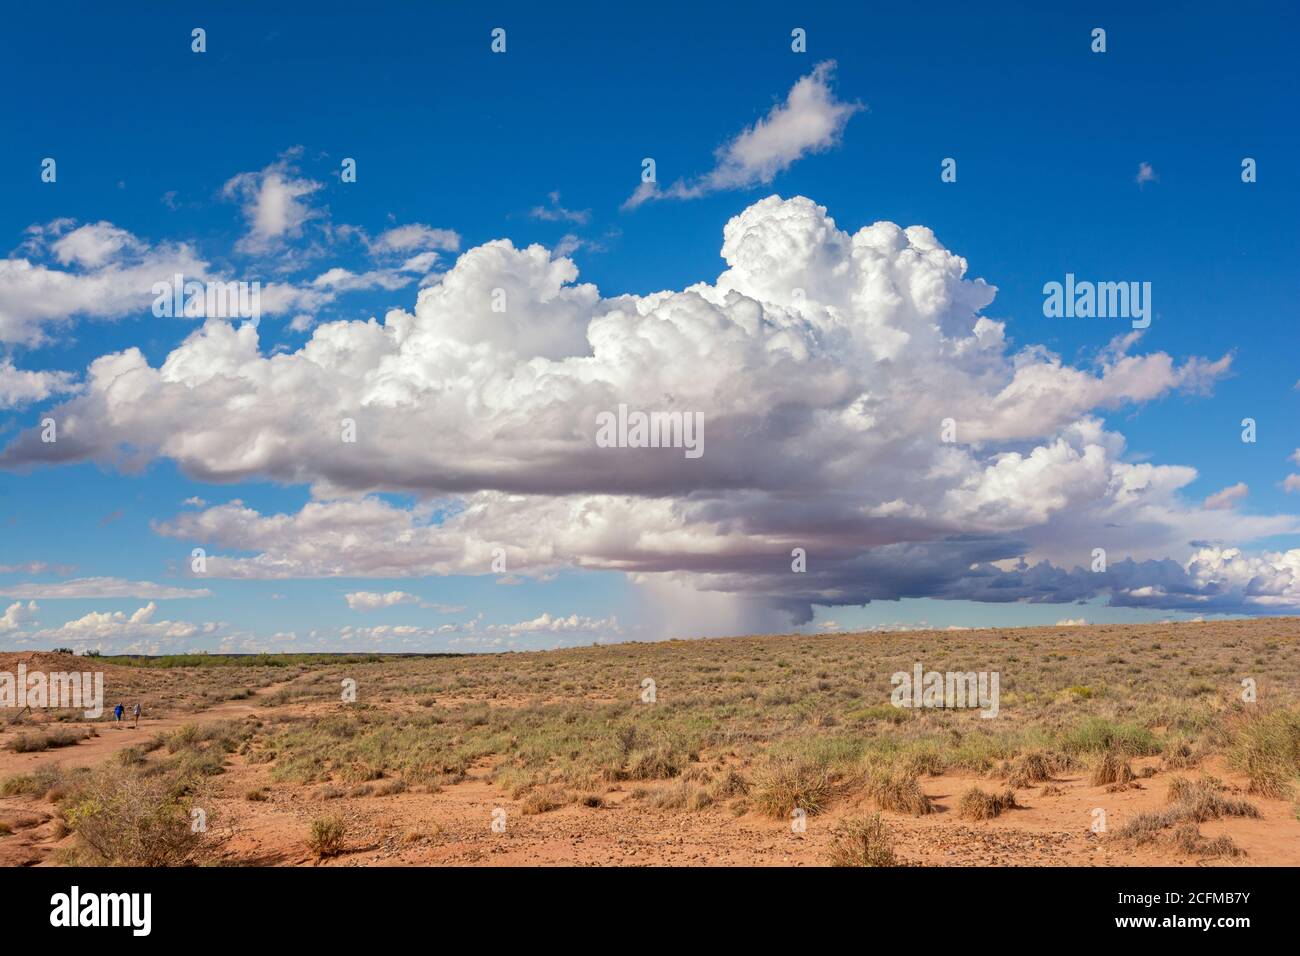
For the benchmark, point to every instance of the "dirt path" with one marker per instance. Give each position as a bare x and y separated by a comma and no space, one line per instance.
111,737
36,830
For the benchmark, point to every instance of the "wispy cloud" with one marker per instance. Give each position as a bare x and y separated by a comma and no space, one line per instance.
809,121
554,212
102,587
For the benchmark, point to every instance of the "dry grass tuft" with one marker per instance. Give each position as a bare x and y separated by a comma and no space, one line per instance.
977,804
793,783
862,842
544,800
900,793
1111,769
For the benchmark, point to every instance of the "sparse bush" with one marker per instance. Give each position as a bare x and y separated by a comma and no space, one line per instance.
326,837
862,842
127,818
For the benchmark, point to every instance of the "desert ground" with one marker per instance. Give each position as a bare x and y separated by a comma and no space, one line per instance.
1112,746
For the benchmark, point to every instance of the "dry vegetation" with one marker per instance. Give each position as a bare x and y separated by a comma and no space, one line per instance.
743,728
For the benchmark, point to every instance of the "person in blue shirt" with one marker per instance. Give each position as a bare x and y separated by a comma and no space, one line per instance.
117,713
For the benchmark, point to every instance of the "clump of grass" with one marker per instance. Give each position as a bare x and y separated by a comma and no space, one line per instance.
678,795
1100,735
427,832
1037,766
1179,755
326,836
1144,828
38,783
257,794
793,783
1111,769
544,800
899,793
1203,799
977,804
658,762
730,783
37,741
1265,746
922,763
1189,803
862,842
1186,838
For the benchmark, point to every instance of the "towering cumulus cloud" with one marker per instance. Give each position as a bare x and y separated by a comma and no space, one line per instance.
824,364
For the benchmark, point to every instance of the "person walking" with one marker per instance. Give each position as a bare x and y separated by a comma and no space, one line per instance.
136,714
117,713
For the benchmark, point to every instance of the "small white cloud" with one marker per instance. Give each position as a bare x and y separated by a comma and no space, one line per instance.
342,280
95,244
273,203
415,237
19,387
374,600
17,615
1228,497
1145,174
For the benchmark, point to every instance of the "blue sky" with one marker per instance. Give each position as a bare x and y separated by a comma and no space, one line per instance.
544,144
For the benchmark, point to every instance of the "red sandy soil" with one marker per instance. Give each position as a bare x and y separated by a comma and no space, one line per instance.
453,826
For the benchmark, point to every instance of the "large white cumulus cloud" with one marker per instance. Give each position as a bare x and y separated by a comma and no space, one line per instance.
824,365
